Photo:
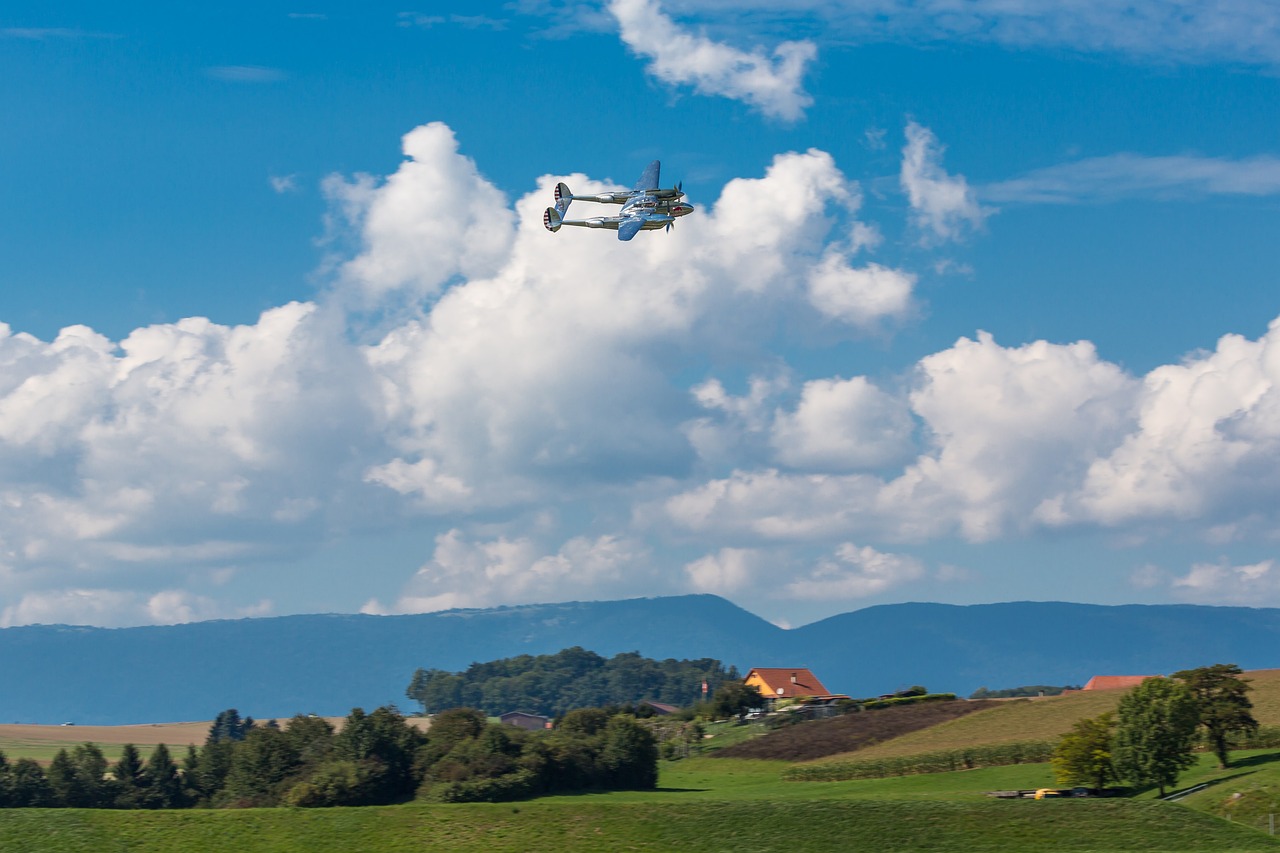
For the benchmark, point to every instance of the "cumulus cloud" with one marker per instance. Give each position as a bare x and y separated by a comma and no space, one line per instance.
772,84
1121,176
843,425
467,573
860,296
1224,583
725,572
943,206
1205,444
432,221
854,572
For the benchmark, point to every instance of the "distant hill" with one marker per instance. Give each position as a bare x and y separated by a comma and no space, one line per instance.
326,664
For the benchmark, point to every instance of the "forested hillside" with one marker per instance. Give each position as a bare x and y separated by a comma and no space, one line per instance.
573,678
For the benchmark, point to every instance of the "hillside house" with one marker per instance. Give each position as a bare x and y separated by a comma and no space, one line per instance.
661,709
794,682
1116,682
521,720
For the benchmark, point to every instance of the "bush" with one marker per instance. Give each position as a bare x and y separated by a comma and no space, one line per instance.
516,785
943,761
912,699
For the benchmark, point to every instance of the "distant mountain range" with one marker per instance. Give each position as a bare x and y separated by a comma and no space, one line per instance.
327,664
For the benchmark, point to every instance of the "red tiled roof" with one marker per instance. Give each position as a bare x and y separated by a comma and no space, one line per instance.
788,682
1116,682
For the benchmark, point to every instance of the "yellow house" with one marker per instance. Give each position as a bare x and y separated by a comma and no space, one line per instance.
786,683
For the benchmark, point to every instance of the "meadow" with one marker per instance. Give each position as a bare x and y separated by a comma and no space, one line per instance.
725,804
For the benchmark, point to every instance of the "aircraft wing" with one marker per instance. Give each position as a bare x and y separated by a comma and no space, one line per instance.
630,226
649,180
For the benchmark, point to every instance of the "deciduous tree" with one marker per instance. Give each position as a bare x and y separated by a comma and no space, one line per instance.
1083,756
1155,731
1221,700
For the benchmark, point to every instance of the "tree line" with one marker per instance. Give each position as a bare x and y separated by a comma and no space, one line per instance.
374,759
1150,737
552,685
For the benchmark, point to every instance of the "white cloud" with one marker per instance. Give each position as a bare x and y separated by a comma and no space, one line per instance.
113,608
843,425
466,573
435,219
944,206
725,572
1224,583
284,183
855,572
771,84
1205,445
860,296
1120,176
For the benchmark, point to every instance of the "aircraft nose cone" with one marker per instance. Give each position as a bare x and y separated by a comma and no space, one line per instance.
683,209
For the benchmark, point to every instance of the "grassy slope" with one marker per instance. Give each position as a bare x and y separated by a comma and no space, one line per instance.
694,826
1043,719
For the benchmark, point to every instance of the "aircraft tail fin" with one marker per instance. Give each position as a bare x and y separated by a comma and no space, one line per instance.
564,195
552,219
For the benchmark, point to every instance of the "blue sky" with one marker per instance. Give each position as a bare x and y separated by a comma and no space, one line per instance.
977,304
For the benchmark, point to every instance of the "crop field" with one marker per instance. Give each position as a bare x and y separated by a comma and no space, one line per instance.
852,731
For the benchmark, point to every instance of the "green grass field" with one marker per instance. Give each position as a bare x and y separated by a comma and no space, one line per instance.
725,804
703,805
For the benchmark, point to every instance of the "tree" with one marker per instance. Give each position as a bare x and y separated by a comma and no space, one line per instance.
228,726
259,765
733,699
1222,704
629,756
1155,731
164,785
30,786
1083,756
129,780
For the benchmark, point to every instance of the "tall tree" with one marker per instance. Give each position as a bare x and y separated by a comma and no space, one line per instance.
1155,731
1083,756
30,786
162,780
1224,707
130,784
228,726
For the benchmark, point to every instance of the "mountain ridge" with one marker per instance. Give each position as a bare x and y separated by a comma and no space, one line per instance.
329,663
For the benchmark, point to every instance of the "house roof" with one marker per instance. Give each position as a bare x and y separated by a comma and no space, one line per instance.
786,682
661,707
1115,682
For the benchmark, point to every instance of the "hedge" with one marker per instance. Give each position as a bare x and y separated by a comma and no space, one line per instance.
942,761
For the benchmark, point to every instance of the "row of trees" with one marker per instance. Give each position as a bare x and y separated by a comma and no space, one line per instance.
375,758
1150,737
553,685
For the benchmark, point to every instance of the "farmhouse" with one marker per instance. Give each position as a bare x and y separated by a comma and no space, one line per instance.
793,682
521,720
1116,682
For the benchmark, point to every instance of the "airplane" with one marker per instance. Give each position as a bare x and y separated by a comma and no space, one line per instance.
646,207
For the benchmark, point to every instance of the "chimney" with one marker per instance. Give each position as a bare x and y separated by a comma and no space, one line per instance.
793,678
